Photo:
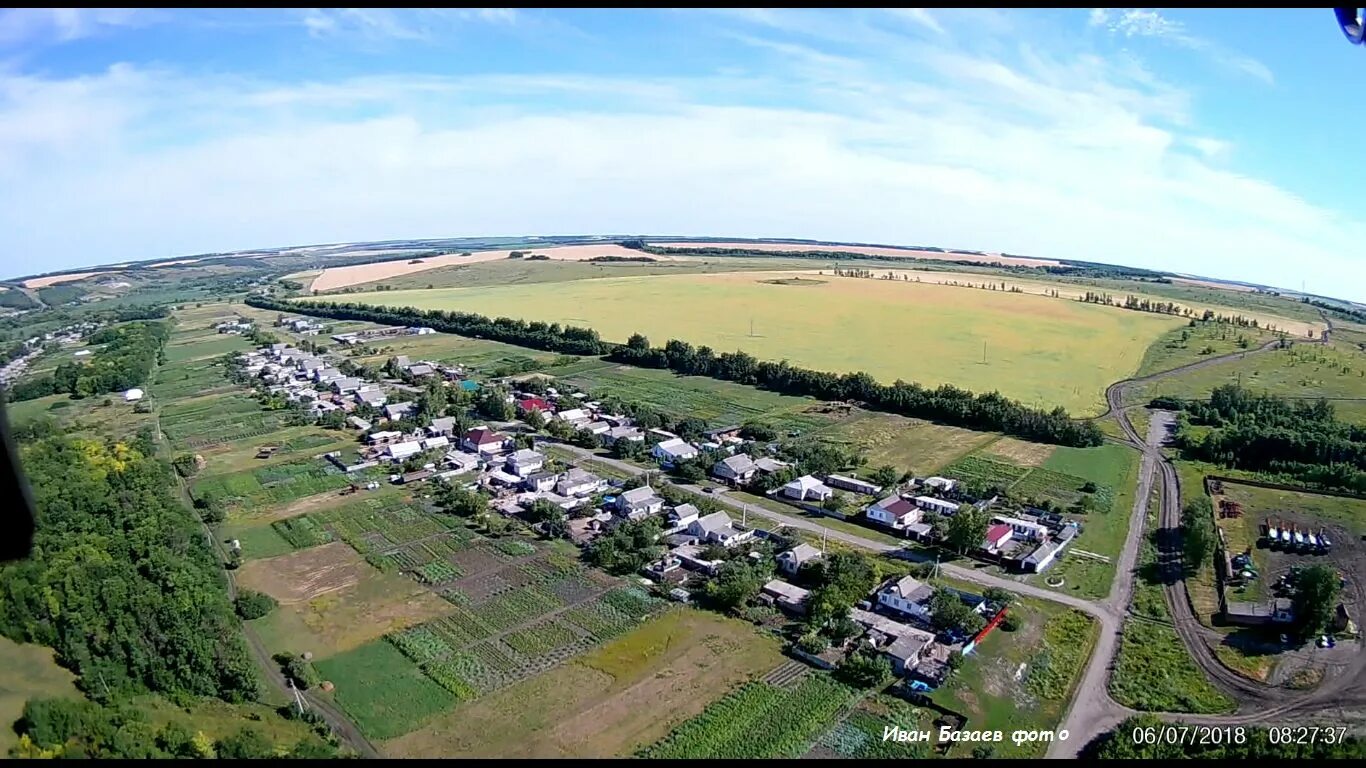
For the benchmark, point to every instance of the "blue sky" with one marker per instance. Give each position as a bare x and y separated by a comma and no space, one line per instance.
1211,142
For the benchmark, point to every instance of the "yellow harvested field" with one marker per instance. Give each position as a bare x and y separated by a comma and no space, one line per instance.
43,282
907,253
342,277
925,333
1066,291
1020,452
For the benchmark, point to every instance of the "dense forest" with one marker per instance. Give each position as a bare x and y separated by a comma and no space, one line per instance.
947,404
1301,441
121,582
126,361
1121,744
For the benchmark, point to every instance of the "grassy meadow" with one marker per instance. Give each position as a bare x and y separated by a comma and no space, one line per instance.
930,334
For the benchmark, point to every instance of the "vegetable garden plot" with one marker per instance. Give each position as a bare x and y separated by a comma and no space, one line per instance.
277,484
980,470
1064,490
543,638
756,721
302,532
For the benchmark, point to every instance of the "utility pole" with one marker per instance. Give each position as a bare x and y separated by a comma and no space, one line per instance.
298,700
984,352
823,532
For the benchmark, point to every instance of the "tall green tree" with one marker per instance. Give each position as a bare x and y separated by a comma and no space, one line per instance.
1316,598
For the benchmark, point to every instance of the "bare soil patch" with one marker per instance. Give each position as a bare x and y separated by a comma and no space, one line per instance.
870,251
305,575
43,282
341,277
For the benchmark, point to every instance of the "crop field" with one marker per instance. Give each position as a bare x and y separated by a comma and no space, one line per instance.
478,354
1030,342
189,379
214,346
1337,373
254,490
976,469
1021,452
382,691
716,402
290,443
1022,679
859,734
758,721
906,444
31,672
609,701
216,419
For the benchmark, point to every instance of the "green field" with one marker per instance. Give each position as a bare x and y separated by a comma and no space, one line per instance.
758,721
209,346
384,693
1031,342
907,444
254,489
1188,344
1053,645
716,402
1303,371
30,672
1154,673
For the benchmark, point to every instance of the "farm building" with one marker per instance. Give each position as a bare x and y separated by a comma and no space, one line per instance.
931,504
1023,529
401,451
807,488
788,597
1278,611
793,559
894,512
852,484
1047,552
941,484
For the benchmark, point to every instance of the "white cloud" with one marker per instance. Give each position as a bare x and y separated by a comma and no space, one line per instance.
399,24
41,25
920,16
1146,22
1048,153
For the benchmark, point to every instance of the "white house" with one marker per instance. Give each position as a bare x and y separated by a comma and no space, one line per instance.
596,427
524,462
574,416
931,504
372,397
793,559
908,596
578,482
683,515
345,385
443,425
718,528
538,481
807,488
894,512
484,441
639,502
1023,529
737,469
461,461
398,410
623,432
440,441
383,436
676,449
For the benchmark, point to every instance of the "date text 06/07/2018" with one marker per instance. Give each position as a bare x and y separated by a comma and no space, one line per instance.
1215,735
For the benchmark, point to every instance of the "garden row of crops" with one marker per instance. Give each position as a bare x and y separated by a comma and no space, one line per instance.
302,532
383,523
976,469
859,735
189,380
758,721
276,484
541,638
1061,489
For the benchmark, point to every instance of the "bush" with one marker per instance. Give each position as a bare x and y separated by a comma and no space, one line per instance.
254,605
1012,622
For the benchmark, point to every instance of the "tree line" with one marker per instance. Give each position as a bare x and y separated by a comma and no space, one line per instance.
127,359
1302,441
1138,304
947,404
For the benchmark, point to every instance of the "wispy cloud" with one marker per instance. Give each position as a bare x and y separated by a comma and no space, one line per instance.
1150,23
43,25
395,24
919,16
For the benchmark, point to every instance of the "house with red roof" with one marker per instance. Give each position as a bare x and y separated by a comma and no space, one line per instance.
535,404
894,512
485,442
997,535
